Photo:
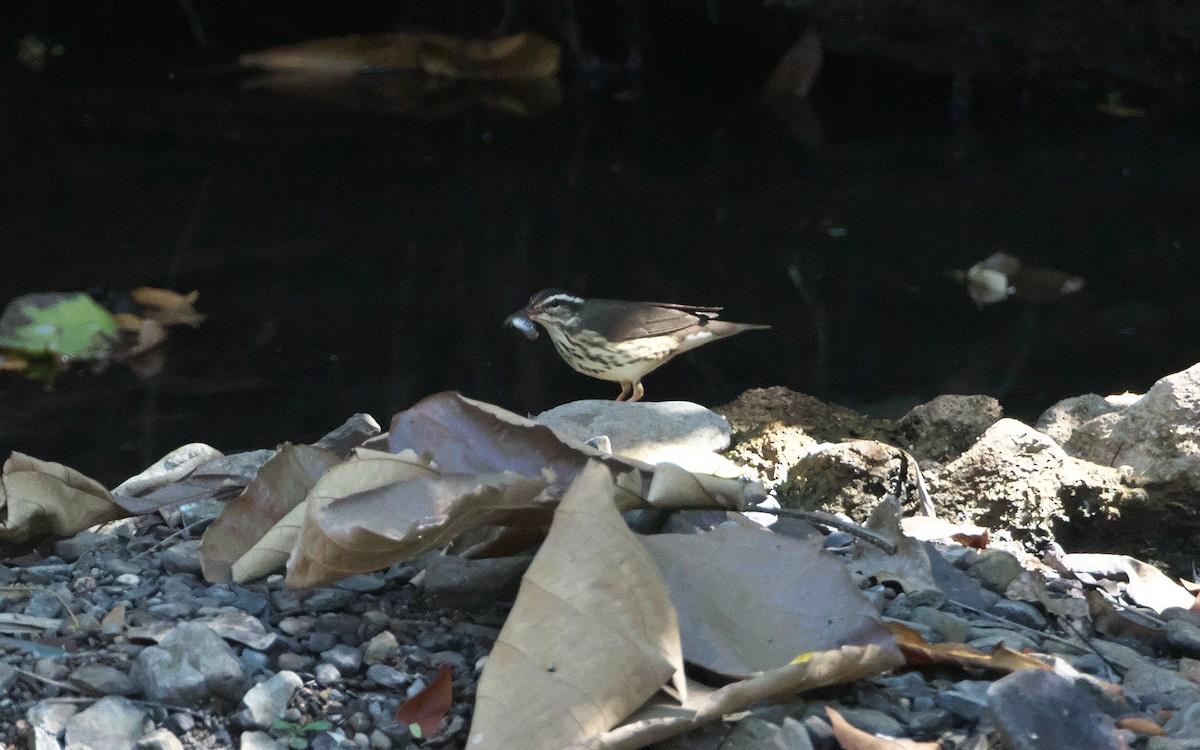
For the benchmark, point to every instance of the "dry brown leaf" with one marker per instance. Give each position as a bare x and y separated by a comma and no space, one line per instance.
1142,725
661,720
379,508
917,651
592,634
168,307
853,738
39,498
281,484
272,551
128,322
427,708
520,56
749,600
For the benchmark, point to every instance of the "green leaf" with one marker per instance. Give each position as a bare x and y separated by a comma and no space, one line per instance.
320,725
69,325
415,730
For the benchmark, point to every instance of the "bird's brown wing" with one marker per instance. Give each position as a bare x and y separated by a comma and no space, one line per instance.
621,321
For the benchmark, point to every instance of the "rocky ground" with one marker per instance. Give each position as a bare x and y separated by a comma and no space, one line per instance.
113,639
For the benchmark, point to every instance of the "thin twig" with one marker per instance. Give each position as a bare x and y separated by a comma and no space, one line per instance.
828,519
159,544
1018,626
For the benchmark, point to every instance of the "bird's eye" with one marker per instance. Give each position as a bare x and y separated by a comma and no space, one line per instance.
553,304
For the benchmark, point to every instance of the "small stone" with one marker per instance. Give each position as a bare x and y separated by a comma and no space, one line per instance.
329,600
129,579
320,642
966,699
1021,613
265,702
870,720
259,741
159,739
362,583
1173,743
387,676
347,659
754,733
50,716
111,722
43,604
380,741
382,648
73,548
359,721
182,557
294,662
995,569
101,679
951,628
1162,686
189,665
453,659
1183,636
327,674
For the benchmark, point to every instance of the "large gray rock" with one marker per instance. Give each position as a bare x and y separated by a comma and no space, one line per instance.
1039,710
1017,478
191,665
112,723
643,429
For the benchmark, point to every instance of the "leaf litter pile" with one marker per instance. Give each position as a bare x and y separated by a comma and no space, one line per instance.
615,639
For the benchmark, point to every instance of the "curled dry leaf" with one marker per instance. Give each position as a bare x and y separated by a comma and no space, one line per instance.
1147,585
281,484
592,634
917,651
474,437
661,720
1142,725
39,498
427,708
853,738
379,508
750,600
168,307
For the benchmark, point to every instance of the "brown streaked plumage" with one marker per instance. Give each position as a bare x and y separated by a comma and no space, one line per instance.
621,341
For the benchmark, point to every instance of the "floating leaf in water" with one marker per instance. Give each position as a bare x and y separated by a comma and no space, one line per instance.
67,325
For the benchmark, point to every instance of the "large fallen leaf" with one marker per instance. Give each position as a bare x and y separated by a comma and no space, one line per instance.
750,600
67,325
379,508
661,720
474,437
853,738
917,651
427,708
1146,586
281,484
41,497
591,637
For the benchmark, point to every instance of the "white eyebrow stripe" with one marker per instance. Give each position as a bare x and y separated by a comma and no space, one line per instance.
562,298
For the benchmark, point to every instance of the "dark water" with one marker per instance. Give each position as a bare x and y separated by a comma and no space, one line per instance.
352,260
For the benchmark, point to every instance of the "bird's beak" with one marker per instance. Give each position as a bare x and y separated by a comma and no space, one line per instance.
523,323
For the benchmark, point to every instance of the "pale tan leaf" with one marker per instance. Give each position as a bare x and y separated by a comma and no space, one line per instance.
271,552
749,600
167,307
41,497
853,738
281,484
661,719
379,508
591,637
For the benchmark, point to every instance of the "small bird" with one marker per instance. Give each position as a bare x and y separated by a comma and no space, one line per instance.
621,341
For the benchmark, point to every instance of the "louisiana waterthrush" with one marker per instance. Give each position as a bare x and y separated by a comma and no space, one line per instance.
621,341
